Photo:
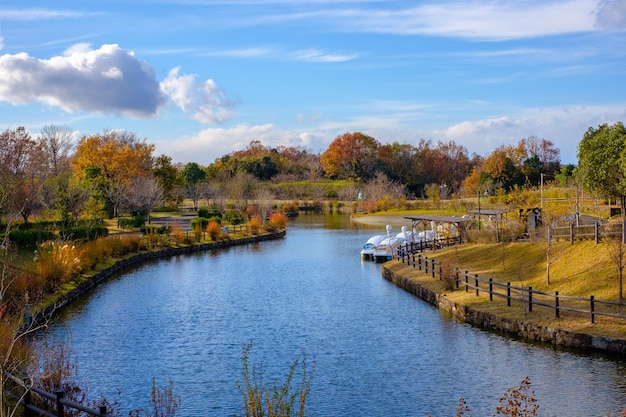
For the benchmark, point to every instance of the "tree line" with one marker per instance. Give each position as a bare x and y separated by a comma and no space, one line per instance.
114,171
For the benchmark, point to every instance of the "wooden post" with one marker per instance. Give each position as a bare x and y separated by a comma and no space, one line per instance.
60,410
571,233
530,299
556,304
413,255
490,289
595,232
456,278
433,268
476,282
508,294
27,400
591,309
466,281
440,273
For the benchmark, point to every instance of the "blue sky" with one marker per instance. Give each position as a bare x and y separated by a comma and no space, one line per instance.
202,78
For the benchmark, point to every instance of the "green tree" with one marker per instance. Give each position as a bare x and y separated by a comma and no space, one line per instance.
193,177
167,176
602,161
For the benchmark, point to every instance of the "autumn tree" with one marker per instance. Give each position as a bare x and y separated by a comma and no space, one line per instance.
20,170
118,157
403,163
351,155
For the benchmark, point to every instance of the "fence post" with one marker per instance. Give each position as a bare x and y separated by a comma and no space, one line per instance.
530,299
591,309
490,289
456,278
508,294
571,233
27,399
476,282
433,268
413,256
549,234
60,410
595,233
466,281
556,304
419,264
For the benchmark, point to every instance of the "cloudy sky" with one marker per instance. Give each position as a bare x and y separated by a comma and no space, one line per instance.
202,78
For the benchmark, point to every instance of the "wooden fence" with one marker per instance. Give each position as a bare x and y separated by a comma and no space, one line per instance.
526,296
429,245
594,231
32,399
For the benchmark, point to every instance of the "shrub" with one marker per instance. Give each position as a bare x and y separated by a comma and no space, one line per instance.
135,221
235,218
27,238
199,223
255,225
77,233
159,230
209,212
177,232
279,220
216,219
214,230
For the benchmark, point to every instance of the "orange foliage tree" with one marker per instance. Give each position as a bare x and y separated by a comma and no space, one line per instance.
351,155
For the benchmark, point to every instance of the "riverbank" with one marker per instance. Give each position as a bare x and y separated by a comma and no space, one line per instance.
403,276
92,280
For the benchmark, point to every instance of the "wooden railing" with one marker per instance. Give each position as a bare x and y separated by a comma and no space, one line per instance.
526,296
594,231
32,399
429,245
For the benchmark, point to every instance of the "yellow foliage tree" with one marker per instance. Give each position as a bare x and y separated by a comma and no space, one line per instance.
118,156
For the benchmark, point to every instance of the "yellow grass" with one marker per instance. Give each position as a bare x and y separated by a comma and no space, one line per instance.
581,270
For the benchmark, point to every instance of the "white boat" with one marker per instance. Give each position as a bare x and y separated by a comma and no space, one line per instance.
368,249
389,247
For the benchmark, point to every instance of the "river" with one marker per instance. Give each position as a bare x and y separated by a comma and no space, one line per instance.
374,349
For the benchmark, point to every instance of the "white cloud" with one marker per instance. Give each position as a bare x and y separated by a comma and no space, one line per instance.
205,101
212,143
107,80
40,14
315,55
480,20
564,126
612,15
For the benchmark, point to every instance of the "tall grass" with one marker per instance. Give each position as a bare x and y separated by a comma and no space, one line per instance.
277,400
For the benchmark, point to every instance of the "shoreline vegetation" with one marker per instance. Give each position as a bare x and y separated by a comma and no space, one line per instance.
581,269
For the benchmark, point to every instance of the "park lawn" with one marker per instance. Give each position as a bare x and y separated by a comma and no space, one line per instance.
580,270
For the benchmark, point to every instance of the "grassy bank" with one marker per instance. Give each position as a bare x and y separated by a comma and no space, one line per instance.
581,270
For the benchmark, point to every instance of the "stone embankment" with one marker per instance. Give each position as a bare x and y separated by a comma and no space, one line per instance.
137,259
520,328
